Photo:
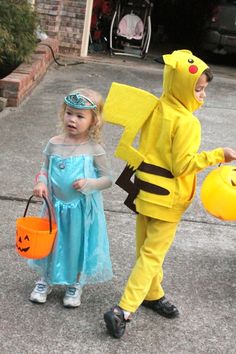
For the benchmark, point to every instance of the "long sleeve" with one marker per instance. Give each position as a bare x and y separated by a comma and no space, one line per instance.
185,158
104,179
42,176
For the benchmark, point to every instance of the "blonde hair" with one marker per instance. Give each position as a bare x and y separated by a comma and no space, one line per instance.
95,97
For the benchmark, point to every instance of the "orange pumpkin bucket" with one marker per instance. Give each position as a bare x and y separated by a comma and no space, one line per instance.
35,236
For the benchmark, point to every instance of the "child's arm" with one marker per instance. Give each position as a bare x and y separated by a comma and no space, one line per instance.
185,156
40,190
230,154
104,180
41,179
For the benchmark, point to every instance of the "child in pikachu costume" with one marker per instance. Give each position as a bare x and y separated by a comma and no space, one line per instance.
165,165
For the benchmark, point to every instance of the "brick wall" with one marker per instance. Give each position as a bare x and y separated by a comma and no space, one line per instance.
16,86
64,20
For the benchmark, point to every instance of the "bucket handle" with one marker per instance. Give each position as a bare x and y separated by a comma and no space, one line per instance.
49,211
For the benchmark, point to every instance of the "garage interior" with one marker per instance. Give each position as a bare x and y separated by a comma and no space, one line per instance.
168,24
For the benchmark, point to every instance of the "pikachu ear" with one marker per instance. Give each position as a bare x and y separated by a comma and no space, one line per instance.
175,57
170,59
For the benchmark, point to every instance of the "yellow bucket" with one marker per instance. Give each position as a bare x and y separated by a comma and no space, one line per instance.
218,193
35,236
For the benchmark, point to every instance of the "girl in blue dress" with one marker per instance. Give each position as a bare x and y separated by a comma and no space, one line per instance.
72,177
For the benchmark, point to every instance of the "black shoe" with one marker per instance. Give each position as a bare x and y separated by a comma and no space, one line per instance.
163,307
115,322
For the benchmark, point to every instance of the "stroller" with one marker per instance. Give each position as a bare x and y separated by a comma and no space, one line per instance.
130,31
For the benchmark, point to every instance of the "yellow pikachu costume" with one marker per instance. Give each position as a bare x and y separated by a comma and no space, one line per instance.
165,164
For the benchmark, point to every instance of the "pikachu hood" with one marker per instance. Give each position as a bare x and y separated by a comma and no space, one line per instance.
131,107
181,72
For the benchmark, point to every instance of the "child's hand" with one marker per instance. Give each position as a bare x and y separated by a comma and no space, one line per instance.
79,184
40,189
230,154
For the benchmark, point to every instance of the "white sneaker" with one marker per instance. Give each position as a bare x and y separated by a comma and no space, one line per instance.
40,292
72,296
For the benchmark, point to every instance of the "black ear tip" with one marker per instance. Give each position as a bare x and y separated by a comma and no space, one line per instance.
159,60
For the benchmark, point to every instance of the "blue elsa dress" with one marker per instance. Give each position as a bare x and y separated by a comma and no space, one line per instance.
81,248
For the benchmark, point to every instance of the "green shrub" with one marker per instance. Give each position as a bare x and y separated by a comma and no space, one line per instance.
18,23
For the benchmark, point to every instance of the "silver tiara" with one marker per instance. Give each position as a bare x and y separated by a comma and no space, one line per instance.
78,101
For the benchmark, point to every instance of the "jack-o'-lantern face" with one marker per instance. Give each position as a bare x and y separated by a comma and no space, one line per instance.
233,177
23,243
228,175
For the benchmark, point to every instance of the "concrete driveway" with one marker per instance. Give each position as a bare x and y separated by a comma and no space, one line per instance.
199,269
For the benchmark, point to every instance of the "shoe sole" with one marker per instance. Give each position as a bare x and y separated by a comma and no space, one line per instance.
172,316
71,306
37,301
111,326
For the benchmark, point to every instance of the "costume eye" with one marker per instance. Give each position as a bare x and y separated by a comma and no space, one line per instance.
190,61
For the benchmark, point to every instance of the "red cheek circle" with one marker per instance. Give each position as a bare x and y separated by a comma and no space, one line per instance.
193,69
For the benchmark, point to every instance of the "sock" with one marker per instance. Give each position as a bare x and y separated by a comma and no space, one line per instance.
126,315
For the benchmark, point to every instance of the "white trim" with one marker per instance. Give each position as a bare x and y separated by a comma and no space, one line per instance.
86,29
